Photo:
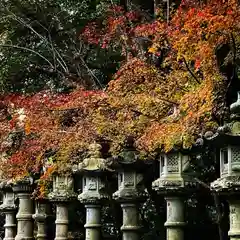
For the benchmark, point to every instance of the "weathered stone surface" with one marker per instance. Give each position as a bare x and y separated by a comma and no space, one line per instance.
61,221
42,212
9,208
234,219
175,182
130,187
175,218
63,189
131,226
94,170
93,221
23,192
131,190
228,137
175,174
94,190
95,162
227,185
62,194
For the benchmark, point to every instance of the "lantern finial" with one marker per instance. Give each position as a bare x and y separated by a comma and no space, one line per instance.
235,107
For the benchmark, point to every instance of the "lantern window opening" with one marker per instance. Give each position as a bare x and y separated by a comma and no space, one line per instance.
121,177
235,158
224,159
162,164
84,182
173,163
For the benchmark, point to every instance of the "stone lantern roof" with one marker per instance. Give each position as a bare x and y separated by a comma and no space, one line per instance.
229,133
227,138
129,158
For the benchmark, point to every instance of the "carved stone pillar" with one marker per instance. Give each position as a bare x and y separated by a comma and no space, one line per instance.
227,139
23,192
130,227
234,231
42,211
174,183
229,187
9,209
62,194
94,171
131,190
175,218
93,221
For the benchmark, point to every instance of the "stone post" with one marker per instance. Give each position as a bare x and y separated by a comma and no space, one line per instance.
227,138
130,227
93,221
94,171
23,192
229,188
131,190
175,183
42,211
175,218
62,194
9,209
234,231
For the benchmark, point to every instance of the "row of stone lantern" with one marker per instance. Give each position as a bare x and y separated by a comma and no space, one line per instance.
94,171
174,183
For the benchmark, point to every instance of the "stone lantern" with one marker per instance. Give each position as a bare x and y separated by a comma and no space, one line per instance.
174,168
62,194
23,190
228,139
42,216
9,208
174,182
94,170
131,189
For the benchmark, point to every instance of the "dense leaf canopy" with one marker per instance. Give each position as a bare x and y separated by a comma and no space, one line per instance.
175,81
40,46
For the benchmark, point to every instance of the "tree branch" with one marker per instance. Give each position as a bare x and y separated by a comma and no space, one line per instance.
29,50
217,204
234,47
192,74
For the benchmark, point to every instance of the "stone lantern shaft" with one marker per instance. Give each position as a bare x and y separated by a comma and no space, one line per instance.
234,219
93,221
62,194
94,170
9,209
25,211
175,218
131,190
41,217
61,221
227,138
130,227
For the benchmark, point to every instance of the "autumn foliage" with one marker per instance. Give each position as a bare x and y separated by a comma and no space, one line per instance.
165,93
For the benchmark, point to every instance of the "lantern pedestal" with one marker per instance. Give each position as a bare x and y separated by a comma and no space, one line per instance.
227,138
94,172
174,183
175,218
9,209
234,231
130,193
229,187
41,216
131,189
130,227
94,192
62,194
93,221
